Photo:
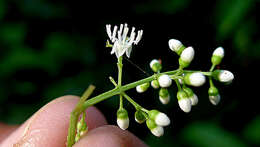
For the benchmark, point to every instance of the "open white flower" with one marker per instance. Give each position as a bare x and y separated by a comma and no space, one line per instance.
123,43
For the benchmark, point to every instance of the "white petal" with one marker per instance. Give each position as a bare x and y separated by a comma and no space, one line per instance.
187,54
185,104
164,81
219,52
113,39
214,99
164,100
158,131
123,123
226,76
126,29
128,51
108,27
194,100
174,44
162,119
197,79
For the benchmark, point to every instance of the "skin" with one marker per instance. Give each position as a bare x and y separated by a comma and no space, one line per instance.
48,127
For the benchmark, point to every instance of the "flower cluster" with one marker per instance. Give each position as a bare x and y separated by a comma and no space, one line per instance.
185,95
184,79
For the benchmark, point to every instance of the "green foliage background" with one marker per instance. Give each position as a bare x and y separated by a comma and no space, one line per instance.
51,48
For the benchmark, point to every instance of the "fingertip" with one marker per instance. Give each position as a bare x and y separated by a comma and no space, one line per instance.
109,136
49,126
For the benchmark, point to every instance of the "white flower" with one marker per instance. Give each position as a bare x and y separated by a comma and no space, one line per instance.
123,123
219,52
175,45
187,54
162,119
214,99
164,100
194,100
185,104
195,79
225,76
157,131
123,43
165,81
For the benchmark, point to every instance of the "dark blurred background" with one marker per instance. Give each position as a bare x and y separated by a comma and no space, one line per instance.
51,48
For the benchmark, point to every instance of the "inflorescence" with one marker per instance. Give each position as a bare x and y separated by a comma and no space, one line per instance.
184,79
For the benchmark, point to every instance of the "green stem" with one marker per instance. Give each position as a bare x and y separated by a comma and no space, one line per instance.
118,90
178,84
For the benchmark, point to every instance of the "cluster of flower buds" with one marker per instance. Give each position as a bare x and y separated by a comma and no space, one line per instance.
155,120
223,76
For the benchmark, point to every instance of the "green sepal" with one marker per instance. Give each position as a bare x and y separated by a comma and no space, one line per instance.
181,95
122,113
213,91
156,67
153,113
216,60
140,116
179,51
156,83
216,74
151,124
163,92
145,86
186,78
183,64
188,91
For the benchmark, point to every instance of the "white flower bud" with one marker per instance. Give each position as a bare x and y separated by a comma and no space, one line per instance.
186,57
142,88
162,119
155,65
185,104
176,46
194,100
122,118
217,56
165,81
164,100
155,84
223,76
214,99
123,123
195,79
219,52
226,76
157,131
184,101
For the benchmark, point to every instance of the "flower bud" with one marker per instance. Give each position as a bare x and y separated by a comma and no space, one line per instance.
224,76
142,88
193,97
159,118
122,119
184,101
217,56
186,57
164,96
164,81
156,130
214,96
155,65
155,84
176,46
139,116
194,79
